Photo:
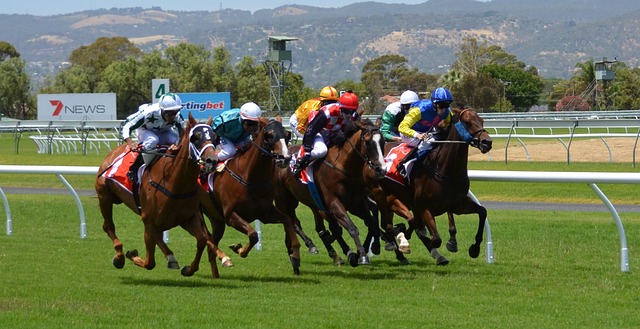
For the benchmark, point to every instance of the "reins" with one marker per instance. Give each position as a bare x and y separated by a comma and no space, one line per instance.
364,157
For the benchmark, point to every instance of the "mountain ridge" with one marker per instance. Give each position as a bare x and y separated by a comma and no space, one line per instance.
334,43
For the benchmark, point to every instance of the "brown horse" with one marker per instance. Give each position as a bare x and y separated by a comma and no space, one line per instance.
440,183
243,192
168,198
340,180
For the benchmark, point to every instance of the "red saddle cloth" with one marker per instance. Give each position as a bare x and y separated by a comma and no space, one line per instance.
392,159
117,172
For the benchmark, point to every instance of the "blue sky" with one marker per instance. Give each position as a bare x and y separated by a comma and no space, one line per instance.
48,7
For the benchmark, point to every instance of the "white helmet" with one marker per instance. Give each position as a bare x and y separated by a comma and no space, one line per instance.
250,111
170,102
409,97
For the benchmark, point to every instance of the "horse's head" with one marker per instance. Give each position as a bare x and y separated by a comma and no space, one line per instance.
201,145
274,141
470,126
371,146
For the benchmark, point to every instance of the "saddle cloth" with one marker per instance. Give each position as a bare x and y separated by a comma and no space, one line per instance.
392,159
118,169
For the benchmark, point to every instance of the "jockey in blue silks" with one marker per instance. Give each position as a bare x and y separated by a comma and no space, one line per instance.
235,127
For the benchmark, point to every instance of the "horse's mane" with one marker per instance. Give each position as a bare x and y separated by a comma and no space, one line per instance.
350,128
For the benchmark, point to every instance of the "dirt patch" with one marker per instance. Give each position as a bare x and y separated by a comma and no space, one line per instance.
586,150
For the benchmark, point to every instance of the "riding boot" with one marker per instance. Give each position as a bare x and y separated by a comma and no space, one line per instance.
132,174
301,164
400,168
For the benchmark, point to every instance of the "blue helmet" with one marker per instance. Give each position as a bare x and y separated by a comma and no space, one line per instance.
441,95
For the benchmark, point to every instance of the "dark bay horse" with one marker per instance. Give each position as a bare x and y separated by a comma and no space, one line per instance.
168,198
341,186
440,183
244,192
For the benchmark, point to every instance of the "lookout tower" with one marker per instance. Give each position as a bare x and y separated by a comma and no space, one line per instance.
278,64
604,73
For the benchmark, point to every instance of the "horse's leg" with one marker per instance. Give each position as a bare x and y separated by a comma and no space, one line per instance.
386,205
430,223
150,237
340,214
326,236
198,230
288,204
291,239
421,232
243,226
368,212
218,227
172,261
452,244
106,208
468,206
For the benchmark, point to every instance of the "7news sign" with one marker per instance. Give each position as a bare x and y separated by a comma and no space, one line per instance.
77,107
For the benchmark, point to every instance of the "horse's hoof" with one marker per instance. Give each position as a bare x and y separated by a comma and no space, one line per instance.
353,259
132,253
442,261
172,263
235,247
226,262
452,246
364,260
405,249
474,251
375,247
118,262
405,261
295,262
390,246
186,271
313,250
296,270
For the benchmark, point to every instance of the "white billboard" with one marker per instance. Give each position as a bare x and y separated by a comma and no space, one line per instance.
80,107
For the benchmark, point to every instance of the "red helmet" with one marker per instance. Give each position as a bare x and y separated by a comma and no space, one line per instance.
349,100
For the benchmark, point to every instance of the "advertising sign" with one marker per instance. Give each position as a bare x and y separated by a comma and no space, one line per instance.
203,105
79,107
159,87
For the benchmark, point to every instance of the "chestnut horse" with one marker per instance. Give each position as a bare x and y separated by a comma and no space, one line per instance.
168,198
440,183
243,192
340,180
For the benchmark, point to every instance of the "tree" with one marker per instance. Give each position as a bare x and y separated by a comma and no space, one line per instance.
16,101
7,51
513,80
381,76
252,83
572,103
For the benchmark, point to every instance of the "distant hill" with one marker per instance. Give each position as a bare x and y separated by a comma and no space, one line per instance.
334,43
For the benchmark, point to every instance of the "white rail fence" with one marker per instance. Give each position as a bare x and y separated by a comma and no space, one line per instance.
565,127
590,178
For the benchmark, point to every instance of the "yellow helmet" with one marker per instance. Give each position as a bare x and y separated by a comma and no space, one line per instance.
329,93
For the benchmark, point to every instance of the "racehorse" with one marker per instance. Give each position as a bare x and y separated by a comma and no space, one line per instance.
243,192
167,198
340,182
440,182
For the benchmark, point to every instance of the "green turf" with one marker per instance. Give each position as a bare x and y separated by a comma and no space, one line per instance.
552,270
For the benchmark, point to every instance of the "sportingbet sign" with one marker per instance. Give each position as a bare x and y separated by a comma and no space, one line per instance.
80,107
203,105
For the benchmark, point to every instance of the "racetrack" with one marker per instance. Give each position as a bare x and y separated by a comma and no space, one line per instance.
489,204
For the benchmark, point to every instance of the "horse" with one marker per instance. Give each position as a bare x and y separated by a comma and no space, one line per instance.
340,182
243,192
167,198
439,183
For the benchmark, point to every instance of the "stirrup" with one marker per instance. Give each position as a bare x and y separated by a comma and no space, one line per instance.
402,170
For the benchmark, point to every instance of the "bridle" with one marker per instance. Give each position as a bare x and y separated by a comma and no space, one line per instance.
364,157
266,150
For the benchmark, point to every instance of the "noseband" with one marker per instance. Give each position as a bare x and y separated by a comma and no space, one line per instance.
468,137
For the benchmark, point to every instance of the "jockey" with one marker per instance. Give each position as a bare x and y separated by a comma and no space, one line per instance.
299,118
323,124
153,124
393,115
416,127
235,127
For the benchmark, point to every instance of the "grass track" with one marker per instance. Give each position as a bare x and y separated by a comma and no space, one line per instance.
553,269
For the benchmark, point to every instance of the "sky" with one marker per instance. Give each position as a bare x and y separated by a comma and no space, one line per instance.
48,7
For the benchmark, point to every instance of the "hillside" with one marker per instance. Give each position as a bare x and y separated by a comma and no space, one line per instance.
333,44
